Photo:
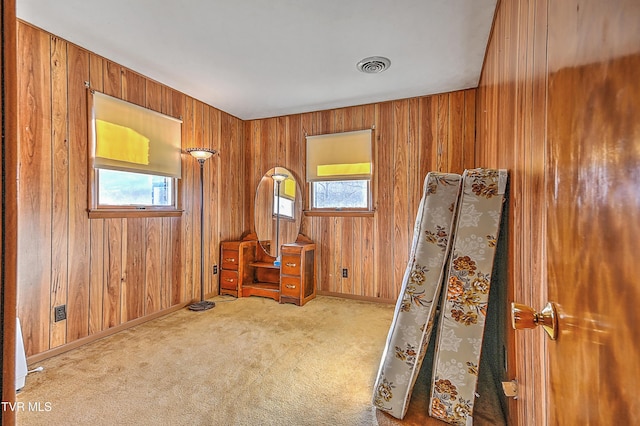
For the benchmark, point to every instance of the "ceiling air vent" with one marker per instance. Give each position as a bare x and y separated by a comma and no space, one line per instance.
374,64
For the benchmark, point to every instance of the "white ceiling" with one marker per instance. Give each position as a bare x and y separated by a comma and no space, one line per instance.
265,58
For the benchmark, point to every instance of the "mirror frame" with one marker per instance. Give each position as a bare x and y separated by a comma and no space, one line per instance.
266,221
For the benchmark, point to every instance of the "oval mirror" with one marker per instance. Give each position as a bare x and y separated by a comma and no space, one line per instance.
278,210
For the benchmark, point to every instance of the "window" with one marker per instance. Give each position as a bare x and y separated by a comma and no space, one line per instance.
117,188
339,170
135,158
284,201
347,194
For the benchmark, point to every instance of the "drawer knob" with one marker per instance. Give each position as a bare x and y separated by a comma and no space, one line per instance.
230,259
290,286
291,265
230,280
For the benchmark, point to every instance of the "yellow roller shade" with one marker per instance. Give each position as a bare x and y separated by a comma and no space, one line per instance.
130,138
289,189
339,156
344,169
121,143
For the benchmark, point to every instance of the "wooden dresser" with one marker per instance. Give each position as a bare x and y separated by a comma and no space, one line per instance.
247,270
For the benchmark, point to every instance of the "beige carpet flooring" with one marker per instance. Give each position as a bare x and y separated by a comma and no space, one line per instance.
249,361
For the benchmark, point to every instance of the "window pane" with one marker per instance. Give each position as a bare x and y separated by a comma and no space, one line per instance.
117,188
286,207
340,194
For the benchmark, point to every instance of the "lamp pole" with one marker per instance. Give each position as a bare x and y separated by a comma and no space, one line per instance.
278,178
201,154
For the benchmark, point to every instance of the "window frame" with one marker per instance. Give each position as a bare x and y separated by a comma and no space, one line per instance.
368,211
96,210
341,209
131,210
275,214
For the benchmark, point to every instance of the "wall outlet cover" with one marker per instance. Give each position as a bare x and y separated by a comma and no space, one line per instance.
60,313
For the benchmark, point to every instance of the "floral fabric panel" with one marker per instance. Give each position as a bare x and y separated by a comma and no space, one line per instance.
414,313
466,295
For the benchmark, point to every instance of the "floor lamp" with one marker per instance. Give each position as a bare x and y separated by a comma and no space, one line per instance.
202,155
278,178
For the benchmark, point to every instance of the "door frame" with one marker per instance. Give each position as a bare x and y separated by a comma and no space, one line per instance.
8,209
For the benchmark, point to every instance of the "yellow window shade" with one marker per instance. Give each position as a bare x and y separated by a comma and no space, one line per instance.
344,169
289,190
339,156
121,143
130,138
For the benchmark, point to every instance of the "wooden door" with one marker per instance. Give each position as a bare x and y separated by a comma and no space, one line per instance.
593,211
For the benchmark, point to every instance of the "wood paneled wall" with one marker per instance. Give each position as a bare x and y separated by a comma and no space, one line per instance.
108,272
412,137
511,134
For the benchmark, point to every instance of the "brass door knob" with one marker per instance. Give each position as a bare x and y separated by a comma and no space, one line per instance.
522,317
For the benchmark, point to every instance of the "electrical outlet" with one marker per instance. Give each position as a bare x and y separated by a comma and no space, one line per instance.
345,273
60,313
215,269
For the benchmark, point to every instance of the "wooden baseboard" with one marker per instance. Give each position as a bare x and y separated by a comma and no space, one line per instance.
100,335
354,297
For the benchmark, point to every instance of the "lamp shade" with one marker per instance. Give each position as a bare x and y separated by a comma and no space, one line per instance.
279,177
201,153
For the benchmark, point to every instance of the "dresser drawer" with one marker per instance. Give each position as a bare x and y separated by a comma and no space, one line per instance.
290,286
290,264
229,280
230,258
